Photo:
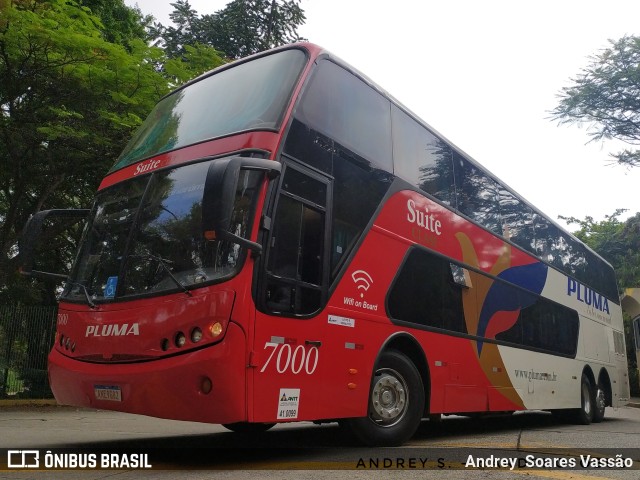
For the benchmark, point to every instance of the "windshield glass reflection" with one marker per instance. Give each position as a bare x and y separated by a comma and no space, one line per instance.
146,237
249,96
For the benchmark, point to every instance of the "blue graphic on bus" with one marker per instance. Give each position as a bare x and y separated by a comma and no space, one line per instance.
502,297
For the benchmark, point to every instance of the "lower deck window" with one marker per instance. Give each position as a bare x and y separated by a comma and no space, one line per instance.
425,293
428,292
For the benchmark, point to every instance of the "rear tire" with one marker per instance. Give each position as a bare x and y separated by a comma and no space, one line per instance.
600,404
585,414
396,403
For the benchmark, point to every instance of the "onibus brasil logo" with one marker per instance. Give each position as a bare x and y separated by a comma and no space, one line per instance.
62,460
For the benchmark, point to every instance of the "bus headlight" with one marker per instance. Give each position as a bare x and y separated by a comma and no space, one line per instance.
180,340
216,329
196,335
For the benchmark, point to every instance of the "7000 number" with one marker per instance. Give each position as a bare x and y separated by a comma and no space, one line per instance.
296,360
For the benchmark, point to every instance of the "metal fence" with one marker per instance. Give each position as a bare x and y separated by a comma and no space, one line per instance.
26,335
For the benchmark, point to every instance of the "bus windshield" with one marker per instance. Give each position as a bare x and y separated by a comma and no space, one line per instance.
252,95
145,236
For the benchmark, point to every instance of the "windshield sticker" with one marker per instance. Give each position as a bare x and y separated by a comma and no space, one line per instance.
110,287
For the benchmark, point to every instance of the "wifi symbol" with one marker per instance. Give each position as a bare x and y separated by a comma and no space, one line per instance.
362,280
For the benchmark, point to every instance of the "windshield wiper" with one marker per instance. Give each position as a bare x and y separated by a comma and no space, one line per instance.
86,293
163,263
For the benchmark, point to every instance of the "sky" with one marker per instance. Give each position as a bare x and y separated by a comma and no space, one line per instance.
485,74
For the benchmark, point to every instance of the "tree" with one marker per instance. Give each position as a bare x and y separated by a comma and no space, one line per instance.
242,28
173,39
245,27
69,101
121,24
606,97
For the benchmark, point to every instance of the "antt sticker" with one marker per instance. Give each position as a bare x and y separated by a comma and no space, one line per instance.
288,403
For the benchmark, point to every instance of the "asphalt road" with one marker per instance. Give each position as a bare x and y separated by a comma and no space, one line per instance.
447,449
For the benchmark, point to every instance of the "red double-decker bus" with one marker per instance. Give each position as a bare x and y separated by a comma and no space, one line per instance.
283,241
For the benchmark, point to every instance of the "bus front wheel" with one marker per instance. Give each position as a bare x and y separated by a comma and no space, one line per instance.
248,428
396,403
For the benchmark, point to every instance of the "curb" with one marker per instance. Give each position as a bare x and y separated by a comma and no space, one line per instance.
34,402
28,402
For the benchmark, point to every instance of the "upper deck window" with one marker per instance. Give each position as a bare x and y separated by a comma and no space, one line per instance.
252,95
342,107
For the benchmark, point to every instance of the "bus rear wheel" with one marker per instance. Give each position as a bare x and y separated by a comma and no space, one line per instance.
585,414
600,404
396,403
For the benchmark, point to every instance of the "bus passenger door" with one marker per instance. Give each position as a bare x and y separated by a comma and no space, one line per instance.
287,354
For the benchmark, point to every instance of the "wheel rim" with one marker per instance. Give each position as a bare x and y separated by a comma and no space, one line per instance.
586,399
600,400
389,398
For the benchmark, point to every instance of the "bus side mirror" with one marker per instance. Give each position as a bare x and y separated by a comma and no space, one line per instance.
33,232
219,195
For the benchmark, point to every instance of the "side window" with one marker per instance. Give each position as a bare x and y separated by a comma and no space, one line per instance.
478,195
342,107
545,325
295,264
342,127
428,291
357,192
517,220
421,158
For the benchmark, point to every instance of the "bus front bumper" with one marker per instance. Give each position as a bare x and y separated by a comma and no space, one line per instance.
174,387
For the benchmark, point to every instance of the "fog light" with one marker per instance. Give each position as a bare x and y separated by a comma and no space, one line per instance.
206,385
196,335
180,340
215,329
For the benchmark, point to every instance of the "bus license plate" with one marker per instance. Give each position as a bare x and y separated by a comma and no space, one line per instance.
109,393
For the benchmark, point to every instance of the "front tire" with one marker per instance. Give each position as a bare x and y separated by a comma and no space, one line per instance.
396,403
248,428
